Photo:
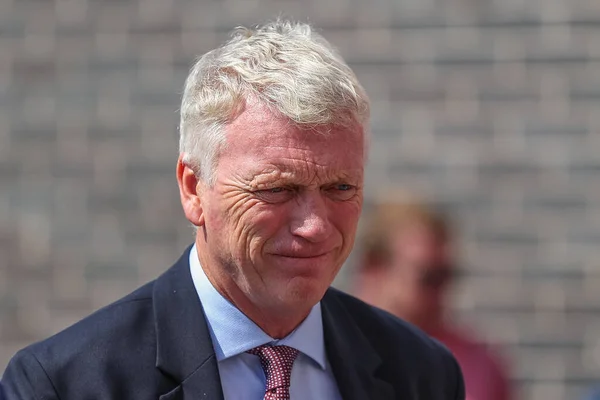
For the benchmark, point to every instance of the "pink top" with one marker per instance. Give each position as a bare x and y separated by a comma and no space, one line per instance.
484,373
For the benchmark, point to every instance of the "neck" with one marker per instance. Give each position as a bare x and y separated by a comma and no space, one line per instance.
275,324
277,321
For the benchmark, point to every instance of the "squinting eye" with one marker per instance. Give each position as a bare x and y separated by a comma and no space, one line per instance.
341,192
274,195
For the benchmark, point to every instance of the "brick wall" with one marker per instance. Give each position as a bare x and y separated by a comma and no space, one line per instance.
488,106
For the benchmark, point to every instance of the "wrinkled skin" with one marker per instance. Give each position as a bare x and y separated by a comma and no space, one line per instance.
281,218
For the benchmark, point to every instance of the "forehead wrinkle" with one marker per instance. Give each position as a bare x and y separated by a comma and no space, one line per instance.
293,155
267,175
300,172
302,144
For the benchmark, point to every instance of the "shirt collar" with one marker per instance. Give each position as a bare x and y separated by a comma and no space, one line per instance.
234,333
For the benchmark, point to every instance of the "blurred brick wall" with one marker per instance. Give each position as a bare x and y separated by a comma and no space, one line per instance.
491,107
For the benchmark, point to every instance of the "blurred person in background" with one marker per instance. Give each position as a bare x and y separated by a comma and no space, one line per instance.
408,268
270,172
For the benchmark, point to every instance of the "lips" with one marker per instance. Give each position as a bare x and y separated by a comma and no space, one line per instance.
303,263
301,255
307,253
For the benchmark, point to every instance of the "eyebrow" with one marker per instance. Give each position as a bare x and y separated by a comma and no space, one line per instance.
285,179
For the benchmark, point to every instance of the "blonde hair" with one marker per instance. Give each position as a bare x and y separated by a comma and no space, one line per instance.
285,66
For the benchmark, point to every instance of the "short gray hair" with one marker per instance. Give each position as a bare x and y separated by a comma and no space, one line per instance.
287,67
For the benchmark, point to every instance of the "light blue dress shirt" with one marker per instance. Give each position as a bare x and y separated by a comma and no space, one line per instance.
232,334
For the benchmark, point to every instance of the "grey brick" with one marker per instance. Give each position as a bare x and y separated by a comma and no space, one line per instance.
489,107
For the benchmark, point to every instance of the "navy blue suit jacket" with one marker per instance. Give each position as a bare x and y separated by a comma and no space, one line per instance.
155,344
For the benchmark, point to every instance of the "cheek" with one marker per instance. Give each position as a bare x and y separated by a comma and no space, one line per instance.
235,210
256,226
268,223
226,219
346,219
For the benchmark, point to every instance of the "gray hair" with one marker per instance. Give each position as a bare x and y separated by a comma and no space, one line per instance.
285,66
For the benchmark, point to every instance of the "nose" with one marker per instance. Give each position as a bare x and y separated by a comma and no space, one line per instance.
310,218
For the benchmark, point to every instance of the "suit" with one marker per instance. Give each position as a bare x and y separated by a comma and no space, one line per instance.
155,344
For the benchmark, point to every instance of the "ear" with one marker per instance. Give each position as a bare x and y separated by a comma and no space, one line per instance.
190,193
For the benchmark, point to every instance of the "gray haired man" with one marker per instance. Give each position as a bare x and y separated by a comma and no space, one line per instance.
270,172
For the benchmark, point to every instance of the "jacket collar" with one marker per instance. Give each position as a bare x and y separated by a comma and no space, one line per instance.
185,351
354,361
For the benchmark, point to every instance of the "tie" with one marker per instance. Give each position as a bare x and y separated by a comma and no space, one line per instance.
277,363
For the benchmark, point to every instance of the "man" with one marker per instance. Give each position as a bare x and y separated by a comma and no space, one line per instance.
408,270
270,172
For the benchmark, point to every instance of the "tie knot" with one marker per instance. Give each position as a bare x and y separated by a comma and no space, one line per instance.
277,362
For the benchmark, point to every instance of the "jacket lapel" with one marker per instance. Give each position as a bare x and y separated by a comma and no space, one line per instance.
185,352
184,348
353,359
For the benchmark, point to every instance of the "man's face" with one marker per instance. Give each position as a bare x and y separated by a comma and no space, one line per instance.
281,218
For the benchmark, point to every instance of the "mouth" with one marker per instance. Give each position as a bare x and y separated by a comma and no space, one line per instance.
303,264
301,256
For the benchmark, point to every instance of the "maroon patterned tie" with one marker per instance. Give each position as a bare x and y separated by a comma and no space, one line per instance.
277,362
